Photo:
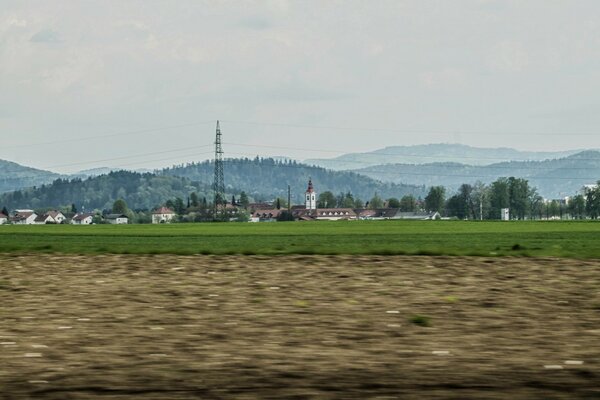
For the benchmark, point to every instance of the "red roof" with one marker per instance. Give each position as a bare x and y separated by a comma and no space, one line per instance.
163,210
310,186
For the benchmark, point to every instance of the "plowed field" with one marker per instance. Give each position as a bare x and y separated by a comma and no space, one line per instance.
298,327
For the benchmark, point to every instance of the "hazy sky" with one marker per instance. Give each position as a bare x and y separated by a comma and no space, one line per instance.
321,77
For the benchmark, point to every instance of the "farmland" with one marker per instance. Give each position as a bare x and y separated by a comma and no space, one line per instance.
298,327
558,239
301,310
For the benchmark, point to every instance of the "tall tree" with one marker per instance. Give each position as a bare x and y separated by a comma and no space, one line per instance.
120,207
408,203
435,199
393,202
244,202
5,211
326,200
576,207
499,197
194,199
592,201
73,208
375,202
179,206
519,195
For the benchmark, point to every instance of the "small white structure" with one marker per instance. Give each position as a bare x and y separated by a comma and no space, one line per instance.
3,219
83,219
504,214
51,217
163,215
310,196
116,219
23,217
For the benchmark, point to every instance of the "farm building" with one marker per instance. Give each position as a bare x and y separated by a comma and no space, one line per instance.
116,219
162,215
23,217
83,219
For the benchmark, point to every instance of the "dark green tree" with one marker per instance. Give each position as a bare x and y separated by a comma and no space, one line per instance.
576,207
375,202
178,206
73,208
120,207
435,199
194,199
393,202
326,200
244,202
408,203
499,197
5,211
592,201
519,194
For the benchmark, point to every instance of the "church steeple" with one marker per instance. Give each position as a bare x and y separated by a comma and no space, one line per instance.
310,196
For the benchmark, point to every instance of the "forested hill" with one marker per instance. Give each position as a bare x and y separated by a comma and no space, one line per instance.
265,179
140,191
14,176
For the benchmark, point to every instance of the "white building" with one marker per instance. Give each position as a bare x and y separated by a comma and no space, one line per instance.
83,219
3,218
116,219
51,217
311,197
505,214
23,217
163,215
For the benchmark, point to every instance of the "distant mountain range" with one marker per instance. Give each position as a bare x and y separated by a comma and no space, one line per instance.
553,178
434,153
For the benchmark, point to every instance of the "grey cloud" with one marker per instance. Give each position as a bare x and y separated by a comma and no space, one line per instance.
45,36
256,23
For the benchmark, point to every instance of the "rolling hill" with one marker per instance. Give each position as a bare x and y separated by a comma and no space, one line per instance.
15,176
553,178
434,153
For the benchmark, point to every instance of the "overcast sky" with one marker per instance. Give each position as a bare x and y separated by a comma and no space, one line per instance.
317,77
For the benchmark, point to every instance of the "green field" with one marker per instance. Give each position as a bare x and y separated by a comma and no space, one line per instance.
561,239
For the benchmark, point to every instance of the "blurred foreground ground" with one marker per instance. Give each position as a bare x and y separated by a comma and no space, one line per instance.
241,327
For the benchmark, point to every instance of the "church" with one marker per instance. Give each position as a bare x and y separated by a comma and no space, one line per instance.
311,212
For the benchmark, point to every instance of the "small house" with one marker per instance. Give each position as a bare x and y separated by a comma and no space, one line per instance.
163,215
23,217
116,219
83,219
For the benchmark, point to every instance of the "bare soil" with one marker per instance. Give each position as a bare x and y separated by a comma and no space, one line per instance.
298,327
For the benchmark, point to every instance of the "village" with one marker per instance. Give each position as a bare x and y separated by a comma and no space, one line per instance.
252,212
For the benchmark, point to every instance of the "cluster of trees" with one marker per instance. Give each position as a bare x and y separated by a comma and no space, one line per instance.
140,191
480,201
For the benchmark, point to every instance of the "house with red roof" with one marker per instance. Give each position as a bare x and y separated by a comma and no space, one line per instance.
163,215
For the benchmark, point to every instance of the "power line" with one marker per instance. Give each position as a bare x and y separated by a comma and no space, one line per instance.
391,130
119,134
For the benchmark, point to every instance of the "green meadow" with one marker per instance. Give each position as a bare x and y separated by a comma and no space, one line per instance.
577,239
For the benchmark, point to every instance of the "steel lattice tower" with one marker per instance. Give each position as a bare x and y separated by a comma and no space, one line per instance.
219,182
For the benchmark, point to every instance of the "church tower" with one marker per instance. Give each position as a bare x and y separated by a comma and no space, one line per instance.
310,197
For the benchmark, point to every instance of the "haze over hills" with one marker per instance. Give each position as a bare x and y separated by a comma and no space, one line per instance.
554,178
430,153
15,176
265,179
